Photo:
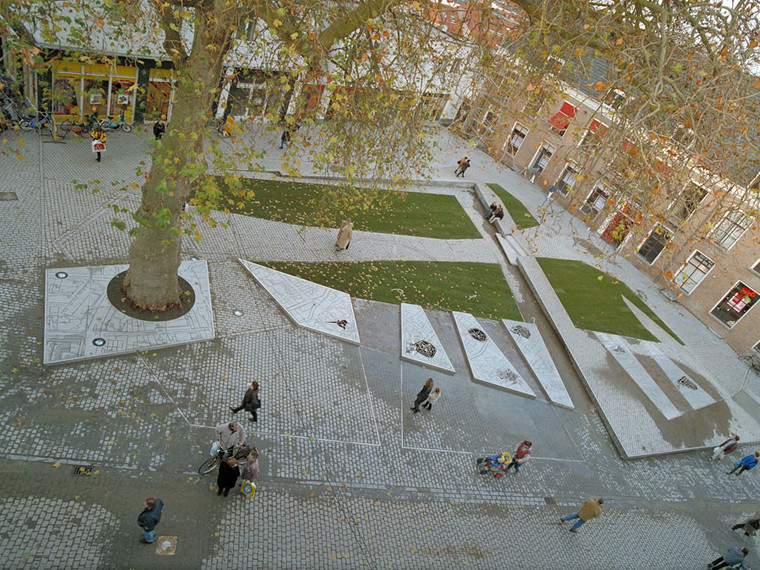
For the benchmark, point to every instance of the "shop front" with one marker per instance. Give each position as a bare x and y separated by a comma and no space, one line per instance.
80,90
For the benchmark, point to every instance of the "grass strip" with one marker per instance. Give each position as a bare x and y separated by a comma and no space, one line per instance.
593,299
520,214
372,210
477,288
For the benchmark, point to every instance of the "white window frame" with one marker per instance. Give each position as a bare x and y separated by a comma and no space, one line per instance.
588,207
681,282
679,204
755,267
726,219
649,235
736,322
544,146
520,128
570,167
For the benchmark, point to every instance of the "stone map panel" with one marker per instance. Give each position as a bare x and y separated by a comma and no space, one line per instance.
80,321
419,343
487,362
534,351
309,305
695,396
618,348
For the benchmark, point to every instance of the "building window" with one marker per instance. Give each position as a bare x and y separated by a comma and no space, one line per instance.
730,229
566,182
735,304
616,99
756,267
596,201
560,121
516,139
542,158
689,200
652,247
695,270
249,32
757,347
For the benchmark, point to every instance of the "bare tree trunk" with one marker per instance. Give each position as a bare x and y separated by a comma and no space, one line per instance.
152,281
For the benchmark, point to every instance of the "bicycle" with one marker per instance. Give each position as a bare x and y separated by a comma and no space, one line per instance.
213,463
108,125
78,128
29,123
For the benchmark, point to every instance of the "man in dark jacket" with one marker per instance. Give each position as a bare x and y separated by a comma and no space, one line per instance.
251,402
149,518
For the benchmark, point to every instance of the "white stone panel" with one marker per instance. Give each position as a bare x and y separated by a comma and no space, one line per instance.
309,305
418,336
534,351
487,362
78,314
618,348
689,389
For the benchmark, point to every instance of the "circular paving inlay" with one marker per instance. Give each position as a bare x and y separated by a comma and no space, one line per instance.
98,341
237,313
61,275
477,334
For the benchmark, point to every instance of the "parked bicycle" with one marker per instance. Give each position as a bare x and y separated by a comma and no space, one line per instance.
79,129
29,123
221,454
108,125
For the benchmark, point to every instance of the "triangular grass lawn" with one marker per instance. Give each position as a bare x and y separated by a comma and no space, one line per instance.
382,211
594,300
519,213
477,288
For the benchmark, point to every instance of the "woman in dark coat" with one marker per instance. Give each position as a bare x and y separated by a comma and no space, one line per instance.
251,402
228,476
422,395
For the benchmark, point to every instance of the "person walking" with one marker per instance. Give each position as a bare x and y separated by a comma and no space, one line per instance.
345,233
749,525
422,395
230,435
520,456
98,140
159,128
731,557
460,166
228,476
250,403
285,137
464,167
591,509
149,518
431,399
725,448
745,464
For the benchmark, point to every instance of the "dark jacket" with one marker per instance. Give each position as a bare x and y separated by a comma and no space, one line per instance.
423,394
149,518
158,129
251,400
749,461
227,476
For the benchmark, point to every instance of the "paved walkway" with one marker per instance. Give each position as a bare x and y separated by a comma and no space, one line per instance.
349,476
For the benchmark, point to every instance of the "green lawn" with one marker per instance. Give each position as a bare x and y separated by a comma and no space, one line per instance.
477,288
519,213
381,211
594,299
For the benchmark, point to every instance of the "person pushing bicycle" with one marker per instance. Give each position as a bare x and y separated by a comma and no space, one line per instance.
231,436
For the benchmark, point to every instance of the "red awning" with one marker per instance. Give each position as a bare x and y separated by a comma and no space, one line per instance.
561,120
597,128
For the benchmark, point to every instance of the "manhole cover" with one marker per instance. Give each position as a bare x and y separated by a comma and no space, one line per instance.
83,469
61,275
98,341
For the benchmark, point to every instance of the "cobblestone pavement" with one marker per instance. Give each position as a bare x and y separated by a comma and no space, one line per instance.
350,478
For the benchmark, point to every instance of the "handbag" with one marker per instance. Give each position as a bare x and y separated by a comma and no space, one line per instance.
248,488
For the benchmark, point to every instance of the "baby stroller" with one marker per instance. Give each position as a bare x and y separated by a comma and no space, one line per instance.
494,464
